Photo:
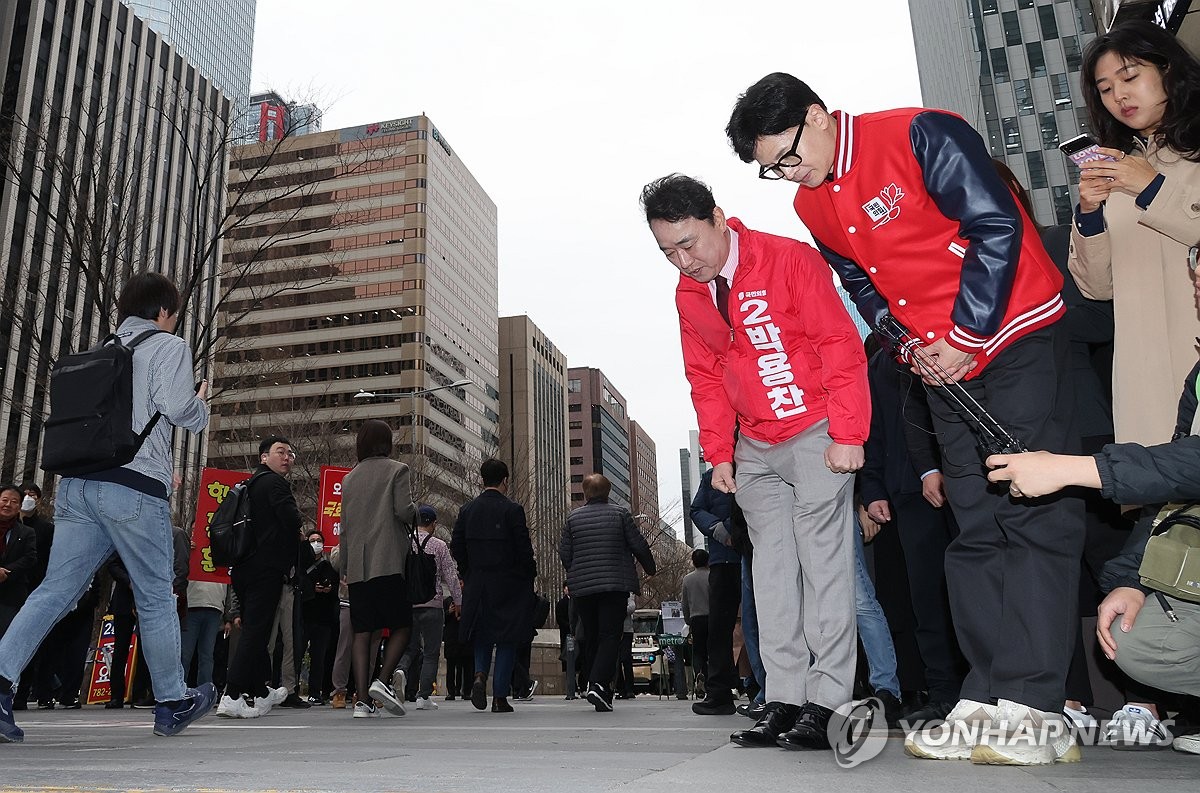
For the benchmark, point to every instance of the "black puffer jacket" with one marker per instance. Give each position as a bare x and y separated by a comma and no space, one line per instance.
599,543
1152,475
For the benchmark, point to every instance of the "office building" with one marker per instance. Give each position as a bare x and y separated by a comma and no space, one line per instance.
643,475
216,36
598,424
691,469
364,287
89,198
271,117
1011,69
533,438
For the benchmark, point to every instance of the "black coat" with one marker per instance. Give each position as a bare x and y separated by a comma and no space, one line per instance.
20,559
495,560
599,543
276,523
902,445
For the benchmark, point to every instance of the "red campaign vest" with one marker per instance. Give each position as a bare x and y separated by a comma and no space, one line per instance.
877,213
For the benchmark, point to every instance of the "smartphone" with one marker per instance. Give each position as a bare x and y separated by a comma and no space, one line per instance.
1083,148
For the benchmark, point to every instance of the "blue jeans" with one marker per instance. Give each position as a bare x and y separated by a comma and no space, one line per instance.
91,520
750,629
873,628
200,637
506,659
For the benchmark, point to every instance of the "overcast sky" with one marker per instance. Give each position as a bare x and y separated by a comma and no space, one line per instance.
563,111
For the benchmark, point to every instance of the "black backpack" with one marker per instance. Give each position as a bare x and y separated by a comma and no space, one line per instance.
230,535
90,427
420,572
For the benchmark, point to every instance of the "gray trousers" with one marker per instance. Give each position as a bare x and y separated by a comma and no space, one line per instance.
341,657
425,638
1159,652
801,517
285,623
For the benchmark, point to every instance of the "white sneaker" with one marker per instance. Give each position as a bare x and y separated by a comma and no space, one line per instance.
277,695
384,693
1134,728
1021,735
399,684
365,710
1080,719
1187,743
237,708
425,703
956,737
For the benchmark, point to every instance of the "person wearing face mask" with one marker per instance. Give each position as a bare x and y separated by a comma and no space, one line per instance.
320,610
38,675
18,555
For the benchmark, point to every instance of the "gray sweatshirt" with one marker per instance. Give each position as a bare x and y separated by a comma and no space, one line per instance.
163,381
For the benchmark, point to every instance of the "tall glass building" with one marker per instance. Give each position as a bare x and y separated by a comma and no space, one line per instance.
216,36
1011,69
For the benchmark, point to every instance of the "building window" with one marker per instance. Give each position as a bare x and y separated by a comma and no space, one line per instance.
993,130
999,65
989,7
576,479
576,461
1037,59
1025,4
1071,50
1061,90
574,386
1049,23
574,408
1049,128
1012,28
1024,97
1012,135
1037,170
576,443
1061,198
576,425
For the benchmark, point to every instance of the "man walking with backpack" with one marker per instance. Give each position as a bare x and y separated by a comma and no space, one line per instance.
122,505
258,580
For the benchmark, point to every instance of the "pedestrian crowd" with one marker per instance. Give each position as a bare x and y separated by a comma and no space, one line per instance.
1004,445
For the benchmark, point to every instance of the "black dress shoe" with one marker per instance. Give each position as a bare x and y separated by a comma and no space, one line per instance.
70,704
892,708
935,711
500,705
479,691
601,697
293,701
778,719
714,706
811,730
114,704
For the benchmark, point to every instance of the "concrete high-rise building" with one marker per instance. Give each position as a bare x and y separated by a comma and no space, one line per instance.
378,302
89,197
216,36
271,117
1011,69
533,438
643,474
691,469
1181,17
598,424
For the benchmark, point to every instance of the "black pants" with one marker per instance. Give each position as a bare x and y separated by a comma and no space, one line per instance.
625,664
698,628
459,676
603,618
520,678
1013,570
724,603
258,593
317,634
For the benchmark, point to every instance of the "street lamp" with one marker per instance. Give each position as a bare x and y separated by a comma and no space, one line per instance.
412,396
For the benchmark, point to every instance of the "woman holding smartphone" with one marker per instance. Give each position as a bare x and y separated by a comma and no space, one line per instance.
1138,216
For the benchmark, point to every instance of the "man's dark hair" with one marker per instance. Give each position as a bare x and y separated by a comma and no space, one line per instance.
31,486
144,295
699,558
265,445
774,104
677,197
374,440
6,487
316,532
493,472
1144,41
596,486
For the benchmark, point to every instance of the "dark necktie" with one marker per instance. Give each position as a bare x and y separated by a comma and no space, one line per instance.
723,299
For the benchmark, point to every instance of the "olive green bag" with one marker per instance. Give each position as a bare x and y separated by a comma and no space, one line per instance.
1171,563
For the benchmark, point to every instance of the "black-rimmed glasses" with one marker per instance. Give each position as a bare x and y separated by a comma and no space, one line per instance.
789,160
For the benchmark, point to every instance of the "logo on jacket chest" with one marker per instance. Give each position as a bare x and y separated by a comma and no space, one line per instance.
884,207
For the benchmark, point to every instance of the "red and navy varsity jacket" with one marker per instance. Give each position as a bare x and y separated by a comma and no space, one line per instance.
791,358
916,221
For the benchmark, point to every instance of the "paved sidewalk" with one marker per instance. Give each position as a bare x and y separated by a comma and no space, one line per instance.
548,745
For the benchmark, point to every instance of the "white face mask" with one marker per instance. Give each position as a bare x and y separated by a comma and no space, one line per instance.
28,504
317,547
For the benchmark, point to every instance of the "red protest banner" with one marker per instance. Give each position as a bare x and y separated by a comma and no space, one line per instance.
215,484
329,503
100,687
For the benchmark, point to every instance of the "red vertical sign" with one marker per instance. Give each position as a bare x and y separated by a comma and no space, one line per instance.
329,504
215,485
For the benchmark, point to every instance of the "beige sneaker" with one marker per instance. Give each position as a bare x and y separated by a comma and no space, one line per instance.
1187,743
1021,735
956,737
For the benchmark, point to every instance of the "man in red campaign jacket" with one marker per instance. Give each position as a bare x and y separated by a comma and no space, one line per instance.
906,207
779,384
